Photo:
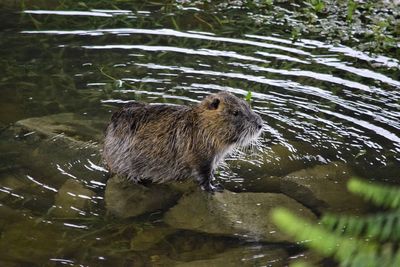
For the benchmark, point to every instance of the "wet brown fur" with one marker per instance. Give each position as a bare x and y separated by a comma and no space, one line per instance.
162,143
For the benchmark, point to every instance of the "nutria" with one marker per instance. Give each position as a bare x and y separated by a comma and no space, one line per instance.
162,143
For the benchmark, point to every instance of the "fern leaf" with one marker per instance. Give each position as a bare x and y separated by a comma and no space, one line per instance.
380,226
348,251
382,195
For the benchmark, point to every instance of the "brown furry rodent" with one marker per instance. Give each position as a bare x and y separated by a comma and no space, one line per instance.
164,143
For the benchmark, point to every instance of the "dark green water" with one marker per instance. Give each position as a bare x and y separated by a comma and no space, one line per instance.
333,94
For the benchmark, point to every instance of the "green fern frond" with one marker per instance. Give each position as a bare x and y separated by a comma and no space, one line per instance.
301,264
381,226
348,251
379,194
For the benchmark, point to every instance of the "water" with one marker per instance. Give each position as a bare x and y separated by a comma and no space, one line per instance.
322,102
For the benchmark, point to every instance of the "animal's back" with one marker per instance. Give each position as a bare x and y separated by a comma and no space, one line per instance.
148,142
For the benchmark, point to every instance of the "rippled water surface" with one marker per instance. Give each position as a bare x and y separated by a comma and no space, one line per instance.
321,102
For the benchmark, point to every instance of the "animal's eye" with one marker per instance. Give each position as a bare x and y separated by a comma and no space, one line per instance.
235,112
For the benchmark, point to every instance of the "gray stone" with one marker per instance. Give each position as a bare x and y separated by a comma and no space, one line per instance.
247,256
72,199
233,214
126,199
323,188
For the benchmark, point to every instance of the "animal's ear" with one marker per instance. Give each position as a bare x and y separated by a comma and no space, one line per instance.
214,104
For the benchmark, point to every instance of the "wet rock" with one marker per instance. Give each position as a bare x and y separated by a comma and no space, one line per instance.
72,199
149,237
233,214
30,242
253,256
323,188
126,199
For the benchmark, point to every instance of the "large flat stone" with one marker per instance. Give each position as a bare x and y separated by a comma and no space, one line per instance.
233,214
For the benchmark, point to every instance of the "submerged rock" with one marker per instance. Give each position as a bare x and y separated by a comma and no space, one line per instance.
234,214
148,237
34,243
9,215
57,147
262,171
248,256
18,188
71,125
9,185
279,160
323,188
309,257
72,199
126,199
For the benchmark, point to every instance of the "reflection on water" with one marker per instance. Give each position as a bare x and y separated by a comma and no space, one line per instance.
322,103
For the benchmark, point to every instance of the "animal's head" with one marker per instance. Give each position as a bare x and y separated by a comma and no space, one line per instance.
230,119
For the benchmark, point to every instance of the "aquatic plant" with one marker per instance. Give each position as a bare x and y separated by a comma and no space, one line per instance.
317,5
374,23
370,240
248,96
352,6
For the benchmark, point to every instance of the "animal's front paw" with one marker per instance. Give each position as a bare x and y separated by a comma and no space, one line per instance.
217,187
211,188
